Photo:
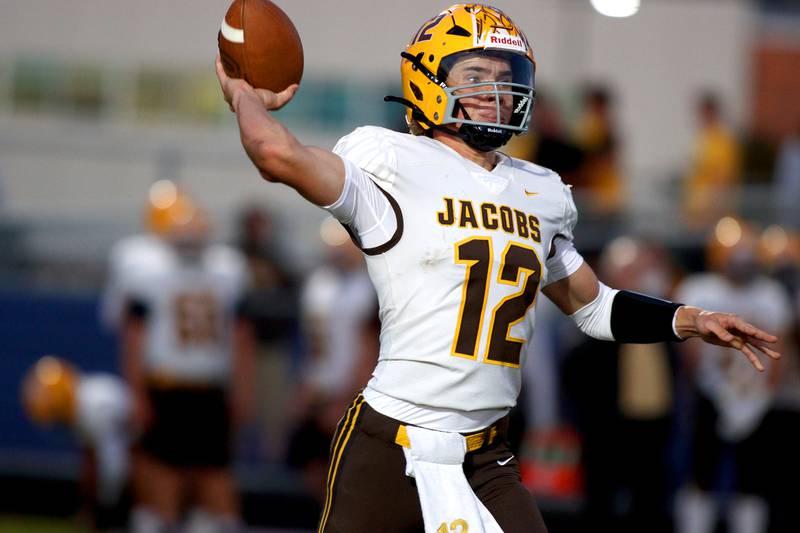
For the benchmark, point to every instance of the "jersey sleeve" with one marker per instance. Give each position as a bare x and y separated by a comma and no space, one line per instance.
563,259
570,214
364,207
373,150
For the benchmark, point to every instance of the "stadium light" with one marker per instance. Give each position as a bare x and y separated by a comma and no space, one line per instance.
616,8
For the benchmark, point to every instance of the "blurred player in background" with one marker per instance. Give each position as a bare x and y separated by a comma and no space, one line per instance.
271,305
140,252
730,401
780,252
97,408
623,396
188,358
713,178
597,135
459,239
339,309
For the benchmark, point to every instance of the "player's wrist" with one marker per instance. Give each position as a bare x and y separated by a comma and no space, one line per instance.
240,91
685,322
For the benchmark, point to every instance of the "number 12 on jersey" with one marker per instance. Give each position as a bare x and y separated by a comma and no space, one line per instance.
517,261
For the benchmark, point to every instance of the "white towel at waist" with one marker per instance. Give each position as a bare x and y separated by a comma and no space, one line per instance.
435,460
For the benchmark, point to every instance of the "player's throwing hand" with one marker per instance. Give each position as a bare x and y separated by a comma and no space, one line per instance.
233,88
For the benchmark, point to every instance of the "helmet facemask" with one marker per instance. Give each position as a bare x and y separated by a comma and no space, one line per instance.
497,86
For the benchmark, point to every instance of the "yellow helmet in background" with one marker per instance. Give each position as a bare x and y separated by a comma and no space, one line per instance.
174,215
460,30
778,246
731,239
49,389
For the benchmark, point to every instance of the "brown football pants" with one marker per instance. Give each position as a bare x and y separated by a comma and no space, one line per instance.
368,491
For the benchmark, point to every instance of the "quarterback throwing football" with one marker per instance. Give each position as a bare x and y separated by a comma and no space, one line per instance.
459,241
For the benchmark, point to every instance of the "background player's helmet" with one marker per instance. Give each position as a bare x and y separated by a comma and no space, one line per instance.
460,30
174,215
732,249
48,391
779,247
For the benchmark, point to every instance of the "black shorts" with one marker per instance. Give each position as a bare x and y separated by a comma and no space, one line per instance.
368,491
191,427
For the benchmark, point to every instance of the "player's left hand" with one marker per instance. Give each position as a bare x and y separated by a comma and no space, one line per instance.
232,87
725,329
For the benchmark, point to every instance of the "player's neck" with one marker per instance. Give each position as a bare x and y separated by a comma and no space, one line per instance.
487,160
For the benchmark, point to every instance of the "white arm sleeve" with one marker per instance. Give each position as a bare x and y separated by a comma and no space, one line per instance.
594,318
364,208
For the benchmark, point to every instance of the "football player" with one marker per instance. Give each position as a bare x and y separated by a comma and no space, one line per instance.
731,405
144,251
97,407
188,358
459,240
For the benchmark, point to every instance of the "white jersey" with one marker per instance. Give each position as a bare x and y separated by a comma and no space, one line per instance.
726,376
128,259
190,310
333,328
103,422
458,278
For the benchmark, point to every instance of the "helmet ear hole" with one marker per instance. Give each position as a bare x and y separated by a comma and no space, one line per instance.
414,89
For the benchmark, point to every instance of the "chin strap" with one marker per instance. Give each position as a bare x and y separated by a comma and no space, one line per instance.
479,137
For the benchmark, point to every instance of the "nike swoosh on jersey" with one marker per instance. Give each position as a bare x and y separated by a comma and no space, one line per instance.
504,463
529,193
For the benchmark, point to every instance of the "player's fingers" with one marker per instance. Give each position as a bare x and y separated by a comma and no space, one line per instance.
749,329
765,349
754,360
268,98
285,96
221,76
722,333
223,82
763,335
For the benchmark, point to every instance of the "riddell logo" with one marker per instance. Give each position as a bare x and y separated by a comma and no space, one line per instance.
508,41
497,40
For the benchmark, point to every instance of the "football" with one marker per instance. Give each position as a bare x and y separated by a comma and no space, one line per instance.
258,43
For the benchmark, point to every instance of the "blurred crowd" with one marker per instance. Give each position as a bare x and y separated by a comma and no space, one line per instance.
227,353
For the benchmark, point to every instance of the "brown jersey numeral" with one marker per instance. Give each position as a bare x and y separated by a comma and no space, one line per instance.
517,260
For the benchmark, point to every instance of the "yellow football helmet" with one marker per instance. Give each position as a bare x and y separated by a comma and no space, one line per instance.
732,247
48,391
779,247
173,214
459,32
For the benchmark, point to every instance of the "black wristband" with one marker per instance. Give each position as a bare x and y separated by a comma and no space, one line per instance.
642,319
